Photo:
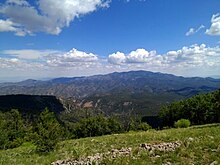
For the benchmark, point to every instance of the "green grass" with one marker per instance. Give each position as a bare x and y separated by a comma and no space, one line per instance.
203,148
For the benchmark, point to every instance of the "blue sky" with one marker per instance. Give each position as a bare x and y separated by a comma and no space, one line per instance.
46,38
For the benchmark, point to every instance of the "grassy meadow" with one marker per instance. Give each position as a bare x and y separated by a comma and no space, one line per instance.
199,145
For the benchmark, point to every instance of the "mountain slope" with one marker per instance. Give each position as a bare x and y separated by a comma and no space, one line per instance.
133,81
141,92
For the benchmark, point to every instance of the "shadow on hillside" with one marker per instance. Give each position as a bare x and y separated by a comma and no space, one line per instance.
30,104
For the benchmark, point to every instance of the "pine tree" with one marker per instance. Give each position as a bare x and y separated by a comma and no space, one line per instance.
48,131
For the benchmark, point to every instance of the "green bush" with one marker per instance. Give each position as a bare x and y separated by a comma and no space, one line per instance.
144,127
182,123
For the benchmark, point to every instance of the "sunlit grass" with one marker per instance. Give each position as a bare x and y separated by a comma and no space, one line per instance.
200,145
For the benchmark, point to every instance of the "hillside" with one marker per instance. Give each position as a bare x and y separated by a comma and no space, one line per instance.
139,92
195,145
30,104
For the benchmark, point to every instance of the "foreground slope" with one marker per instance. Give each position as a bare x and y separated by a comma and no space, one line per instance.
199,145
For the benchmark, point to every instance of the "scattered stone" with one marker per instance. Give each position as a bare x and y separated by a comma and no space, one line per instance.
166,147
115,153
214,163
96,159
211,137
167,163
191,139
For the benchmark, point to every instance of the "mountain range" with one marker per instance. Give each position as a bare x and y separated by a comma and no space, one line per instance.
143,92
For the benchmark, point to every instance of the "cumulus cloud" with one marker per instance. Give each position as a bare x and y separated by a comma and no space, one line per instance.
195,60
140,56
117,58
75,55
214,30
71,58
137,56
46,16
193,56
193,30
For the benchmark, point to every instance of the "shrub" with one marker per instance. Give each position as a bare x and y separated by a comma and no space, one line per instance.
182,123
144,127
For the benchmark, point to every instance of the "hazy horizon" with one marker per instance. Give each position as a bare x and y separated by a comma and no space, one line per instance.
19,79
82,38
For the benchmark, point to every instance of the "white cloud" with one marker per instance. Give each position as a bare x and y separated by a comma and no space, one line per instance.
17,64
137,56
214,30
29,54
140,56
71,58
47,16
117,58
7,63
190,32
196,55
196,59
53,57
79,56
193,30
9,26
48,63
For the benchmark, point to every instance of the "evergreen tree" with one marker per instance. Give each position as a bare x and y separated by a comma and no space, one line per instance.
13,129
200,109
48,131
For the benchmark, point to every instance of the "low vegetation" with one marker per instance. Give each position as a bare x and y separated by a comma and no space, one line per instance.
182,123
198,145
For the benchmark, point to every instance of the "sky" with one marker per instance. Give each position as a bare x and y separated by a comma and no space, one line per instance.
41,39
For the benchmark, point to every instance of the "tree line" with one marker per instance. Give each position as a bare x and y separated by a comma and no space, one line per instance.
200,109
48,129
